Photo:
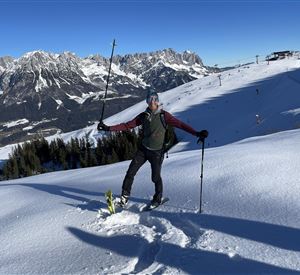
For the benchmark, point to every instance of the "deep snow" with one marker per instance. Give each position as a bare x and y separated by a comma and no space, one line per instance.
51,224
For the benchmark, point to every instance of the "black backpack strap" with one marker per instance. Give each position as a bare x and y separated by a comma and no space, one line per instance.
163,119
164,123
142,116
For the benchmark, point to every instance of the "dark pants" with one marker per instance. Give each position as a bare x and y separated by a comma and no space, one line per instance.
155,157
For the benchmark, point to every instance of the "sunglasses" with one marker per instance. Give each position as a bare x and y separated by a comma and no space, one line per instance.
152,98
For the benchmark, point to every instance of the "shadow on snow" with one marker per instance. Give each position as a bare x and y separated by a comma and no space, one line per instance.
74,194
276,235
189,260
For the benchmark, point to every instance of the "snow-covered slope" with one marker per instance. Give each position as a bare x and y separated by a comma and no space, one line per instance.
50,223
229,111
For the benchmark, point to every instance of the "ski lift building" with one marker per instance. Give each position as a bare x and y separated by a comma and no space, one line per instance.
279,55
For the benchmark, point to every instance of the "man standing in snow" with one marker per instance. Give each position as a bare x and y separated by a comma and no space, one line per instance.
152,144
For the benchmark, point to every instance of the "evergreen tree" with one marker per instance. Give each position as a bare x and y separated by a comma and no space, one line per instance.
75,153
14,169
22,166
5,171
39,155
99,152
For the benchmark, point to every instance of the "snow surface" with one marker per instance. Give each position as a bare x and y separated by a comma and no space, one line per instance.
228,111
16,123
57,223
294,112
58,101
27,128
41,82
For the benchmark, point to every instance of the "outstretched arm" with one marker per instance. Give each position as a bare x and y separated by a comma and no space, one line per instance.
173,121
128,125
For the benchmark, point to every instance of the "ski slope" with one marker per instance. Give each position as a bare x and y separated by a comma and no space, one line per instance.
57,223
229,111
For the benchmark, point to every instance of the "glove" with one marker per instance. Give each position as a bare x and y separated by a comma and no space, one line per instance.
102,127
202,135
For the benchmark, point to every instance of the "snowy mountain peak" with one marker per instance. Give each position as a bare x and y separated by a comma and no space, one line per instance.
35,60
36,53
186,57
62,85
68,56
168,55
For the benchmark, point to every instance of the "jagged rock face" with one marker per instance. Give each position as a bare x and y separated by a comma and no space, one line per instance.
62,92
6,62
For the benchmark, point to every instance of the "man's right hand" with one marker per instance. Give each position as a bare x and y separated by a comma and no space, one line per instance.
102,127
202,135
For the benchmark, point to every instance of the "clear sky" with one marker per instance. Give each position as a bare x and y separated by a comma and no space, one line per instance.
219,31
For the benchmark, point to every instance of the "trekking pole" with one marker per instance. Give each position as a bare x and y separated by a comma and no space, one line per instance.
201,176
104,98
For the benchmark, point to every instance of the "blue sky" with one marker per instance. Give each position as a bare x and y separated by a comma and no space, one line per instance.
221,32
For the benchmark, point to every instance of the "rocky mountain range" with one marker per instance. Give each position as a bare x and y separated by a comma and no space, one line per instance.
46,93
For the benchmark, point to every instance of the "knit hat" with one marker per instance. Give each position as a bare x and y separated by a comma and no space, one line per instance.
152,95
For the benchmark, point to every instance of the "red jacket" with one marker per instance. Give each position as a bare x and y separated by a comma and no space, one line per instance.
170,120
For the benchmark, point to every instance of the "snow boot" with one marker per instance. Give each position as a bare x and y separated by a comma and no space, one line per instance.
123,201
156,201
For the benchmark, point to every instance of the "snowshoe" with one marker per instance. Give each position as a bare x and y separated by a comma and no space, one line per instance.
154,204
